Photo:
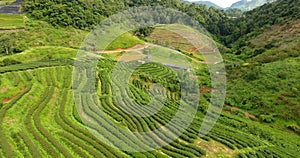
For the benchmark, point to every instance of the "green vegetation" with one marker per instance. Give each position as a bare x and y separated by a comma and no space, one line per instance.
238,31
38,117
124,41
245,5
86,14
11,21
165,35
273,90
165,55
6,45
6,2
39,33
262,80
43,53
48,87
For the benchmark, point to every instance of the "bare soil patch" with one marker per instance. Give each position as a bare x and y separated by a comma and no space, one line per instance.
3,90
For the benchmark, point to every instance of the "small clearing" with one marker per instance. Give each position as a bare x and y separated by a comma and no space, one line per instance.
3,90
215,149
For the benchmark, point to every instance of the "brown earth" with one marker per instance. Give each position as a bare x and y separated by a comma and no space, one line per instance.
6,100
205,89
246,113
3,90
10,30
137,47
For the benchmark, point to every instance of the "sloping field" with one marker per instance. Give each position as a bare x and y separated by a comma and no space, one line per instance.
49,124
11,21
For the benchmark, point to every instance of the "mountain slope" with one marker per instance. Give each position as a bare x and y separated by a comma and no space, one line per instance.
264,81
208,4
85,14
246,5
238,31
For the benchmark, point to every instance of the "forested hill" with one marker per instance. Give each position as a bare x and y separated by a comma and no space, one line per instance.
208,4
264,78
246,5
85,14
255,21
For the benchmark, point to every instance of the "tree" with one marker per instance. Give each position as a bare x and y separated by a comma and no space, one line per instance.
143,32
6,45
253,74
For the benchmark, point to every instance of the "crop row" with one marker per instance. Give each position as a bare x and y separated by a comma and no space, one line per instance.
274,152
82,137
5,146
36,65
142,123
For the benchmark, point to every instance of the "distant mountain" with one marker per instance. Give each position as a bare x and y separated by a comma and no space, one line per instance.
246,5
208,4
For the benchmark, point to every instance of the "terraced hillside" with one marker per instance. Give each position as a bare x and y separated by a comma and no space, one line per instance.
11,22
39,117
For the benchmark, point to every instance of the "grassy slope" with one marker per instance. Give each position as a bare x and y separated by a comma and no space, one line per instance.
266,85
41,34
160,34
279,41
124,41
6,2
38,33
166,35
11,21
43,53
14,125
12,83
274,90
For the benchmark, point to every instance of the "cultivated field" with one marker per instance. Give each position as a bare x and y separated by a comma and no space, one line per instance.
11,21
38,116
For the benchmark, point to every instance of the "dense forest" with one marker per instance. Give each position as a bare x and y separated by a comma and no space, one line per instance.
255,21
86,14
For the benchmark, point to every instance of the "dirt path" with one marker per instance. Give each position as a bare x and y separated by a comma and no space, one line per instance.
140,47
3,90
137,48
246,113
10,30
6,100
205,89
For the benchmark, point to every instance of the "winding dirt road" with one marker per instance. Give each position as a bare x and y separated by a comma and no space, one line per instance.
136,48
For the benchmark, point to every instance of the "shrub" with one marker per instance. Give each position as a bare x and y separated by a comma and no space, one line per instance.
270,44
282,75
7,62
267,118
294,127
143,32
253,74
